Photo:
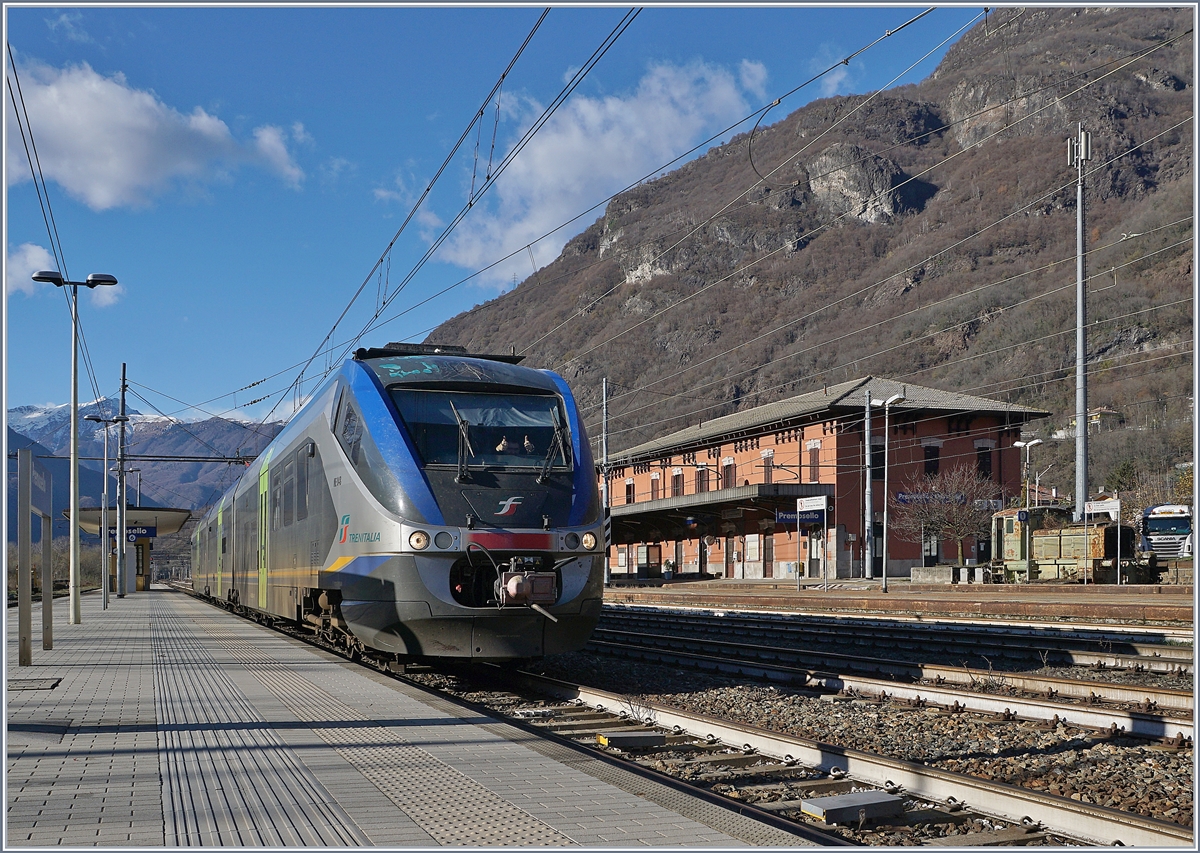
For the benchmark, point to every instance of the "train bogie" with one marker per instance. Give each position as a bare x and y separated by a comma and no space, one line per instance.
423,504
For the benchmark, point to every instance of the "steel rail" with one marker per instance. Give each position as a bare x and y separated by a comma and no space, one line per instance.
1084,716
1103,826
1165,697
797,609
1072,646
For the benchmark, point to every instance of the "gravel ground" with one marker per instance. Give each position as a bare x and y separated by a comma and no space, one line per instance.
1123,773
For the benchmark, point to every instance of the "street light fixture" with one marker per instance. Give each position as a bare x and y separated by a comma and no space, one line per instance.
94,280
1028,521
887,405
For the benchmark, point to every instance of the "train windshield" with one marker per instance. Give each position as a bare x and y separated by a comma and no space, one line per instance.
492,430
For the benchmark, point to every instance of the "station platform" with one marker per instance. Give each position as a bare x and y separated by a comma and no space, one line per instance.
163,721
1140,604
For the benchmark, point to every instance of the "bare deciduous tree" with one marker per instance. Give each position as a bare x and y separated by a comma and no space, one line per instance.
955,503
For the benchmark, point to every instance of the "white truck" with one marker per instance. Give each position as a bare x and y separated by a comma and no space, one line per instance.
1167,531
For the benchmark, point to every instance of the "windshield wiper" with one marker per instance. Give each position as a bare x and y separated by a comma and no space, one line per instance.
558,444
464,446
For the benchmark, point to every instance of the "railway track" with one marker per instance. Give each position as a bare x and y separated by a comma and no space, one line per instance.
1157,650
788,778
857,796
955,698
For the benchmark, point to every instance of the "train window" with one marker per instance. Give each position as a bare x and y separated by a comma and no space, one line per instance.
276,501
350,432
289,492
302,457
500,430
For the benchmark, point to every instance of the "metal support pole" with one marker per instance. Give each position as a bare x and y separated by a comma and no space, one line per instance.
24,556
75,612
47,583
1079,151
886,411
607,504
121,497
868,497
105,546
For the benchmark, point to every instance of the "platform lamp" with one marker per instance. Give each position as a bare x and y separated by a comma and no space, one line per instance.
104,507
887,405
1025,475
94,280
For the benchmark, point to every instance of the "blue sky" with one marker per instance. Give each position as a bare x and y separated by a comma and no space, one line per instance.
241,170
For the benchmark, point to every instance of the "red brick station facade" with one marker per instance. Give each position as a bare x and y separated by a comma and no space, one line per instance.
704,499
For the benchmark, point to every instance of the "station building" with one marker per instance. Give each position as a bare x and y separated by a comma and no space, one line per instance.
708,499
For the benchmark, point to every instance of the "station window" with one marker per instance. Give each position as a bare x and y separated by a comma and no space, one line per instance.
983,462
629,491
932,456
676,484
877,460
701,480
814,464
768,469
728,475
654,488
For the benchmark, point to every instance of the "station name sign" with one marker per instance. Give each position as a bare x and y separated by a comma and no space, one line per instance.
808,511
135,532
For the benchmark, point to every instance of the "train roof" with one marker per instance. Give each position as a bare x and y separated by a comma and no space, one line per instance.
439,366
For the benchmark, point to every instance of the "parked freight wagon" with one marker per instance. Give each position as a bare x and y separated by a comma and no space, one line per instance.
1087,552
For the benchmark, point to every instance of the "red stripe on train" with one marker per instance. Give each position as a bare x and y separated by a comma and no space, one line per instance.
512,541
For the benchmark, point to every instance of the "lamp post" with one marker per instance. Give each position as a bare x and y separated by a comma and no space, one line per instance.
1025,476
887,405
1037,485
106,549
94,280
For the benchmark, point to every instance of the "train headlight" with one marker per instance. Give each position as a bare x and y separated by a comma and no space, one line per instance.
419,540
589,541
571,540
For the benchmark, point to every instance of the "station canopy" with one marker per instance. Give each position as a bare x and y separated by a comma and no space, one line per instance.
164,519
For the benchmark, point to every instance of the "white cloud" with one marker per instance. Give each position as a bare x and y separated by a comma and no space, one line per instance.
840,80
24,262
753,77
272,147
111,145
591,148
102,297
71,27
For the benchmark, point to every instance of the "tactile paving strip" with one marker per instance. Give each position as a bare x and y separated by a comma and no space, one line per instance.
451,807
723,820
227,777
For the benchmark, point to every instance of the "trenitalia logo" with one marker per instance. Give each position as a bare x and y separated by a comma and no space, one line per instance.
509,506
347,536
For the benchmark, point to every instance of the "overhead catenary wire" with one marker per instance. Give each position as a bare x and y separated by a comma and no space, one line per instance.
863,290
546,281
742,269
911,341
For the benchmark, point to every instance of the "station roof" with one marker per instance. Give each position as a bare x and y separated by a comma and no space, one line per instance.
165,519
839,400
688,516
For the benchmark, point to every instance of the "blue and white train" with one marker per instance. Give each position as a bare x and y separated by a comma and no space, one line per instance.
425,503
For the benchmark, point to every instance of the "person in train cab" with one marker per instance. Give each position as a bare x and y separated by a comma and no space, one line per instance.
502,447
528,445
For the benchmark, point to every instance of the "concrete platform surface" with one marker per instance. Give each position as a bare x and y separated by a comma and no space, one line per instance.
166,722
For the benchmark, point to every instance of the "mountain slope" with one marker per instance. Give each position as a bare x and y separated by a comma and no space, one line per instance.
923,233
